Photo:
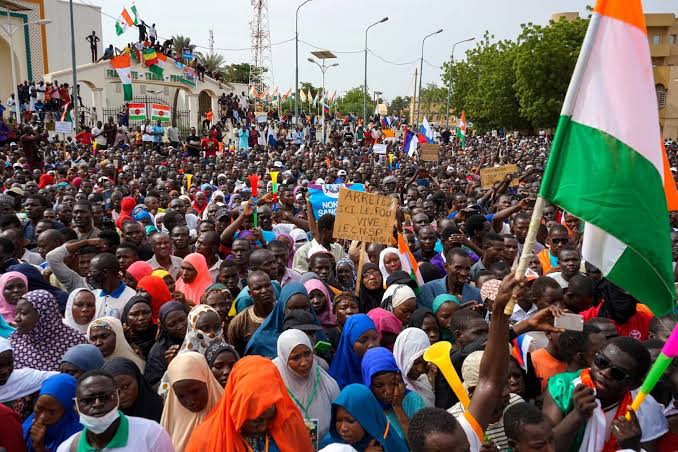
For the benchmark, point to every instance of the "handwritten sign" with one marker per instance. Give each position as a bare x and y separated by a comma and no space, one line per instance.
488,176
428,152
63,126
365,216
379,148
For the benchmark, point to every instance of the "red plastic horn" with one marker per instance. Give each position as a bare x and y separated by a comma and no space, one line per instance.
254,184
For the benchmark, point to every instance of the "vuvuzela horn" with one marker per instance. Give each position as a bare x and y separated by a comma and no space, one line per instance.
439,354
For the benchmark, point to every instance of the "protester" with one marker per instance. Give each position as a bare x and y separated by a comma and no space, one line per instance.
81,358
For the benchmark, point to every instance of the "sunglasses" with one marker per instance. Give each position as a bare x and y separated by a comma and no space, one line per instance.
616,373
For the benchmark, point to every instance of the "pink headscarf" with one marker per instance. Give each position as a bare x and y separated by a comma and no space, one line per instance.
139,269
326,317
194,290
385,321
7,310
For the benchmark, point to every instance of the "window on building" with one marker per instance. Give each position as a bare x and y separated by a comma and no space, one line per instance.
673,40
661,96
656,39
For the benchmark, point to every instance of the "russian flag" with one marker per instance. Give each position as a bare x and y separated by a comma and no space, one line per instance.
386,122
426,130
409,143
521,347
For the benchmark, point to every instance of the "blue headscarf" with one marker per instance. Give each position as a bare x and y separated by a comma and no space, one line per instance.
345,367
5,328
144,215
62,388
378,360
38,282
85,357
361,404
264,342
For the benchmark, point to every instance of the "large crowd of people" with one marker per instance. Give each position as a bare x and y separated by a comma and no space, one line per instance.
154,296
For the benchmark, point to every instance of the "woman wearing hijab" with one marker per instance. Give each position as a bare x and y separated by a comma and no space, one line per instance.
391,261
136,315
388,326
156,292
109,337
137,398
80,309
310,387
300,238
165,275
126,207
401,300
41,338
195,277
172,324
321,302
345,305
265,339
253,416
425,320
54,417
81,358
13,285
45,180
444,307
346,274
287,238
135,272
357,404
6,329
38,282
19,387
371,288
358,335
193,392
221,357
408,351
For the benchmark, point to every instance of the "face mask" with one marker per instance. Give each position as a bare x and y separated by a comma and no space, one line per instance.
99,425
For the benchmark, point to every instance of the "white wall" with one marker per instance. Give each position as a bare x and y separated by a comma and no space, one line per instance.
86,19
19,57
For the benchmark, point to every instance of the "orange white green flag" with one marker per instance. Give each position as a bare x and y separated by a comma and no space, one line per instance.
121,64
124,22
160,112
607,164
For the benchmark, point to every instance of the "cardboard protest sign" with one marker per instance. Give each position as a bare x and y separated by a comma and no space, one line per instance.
379,148
488,176
428,152
365,216
324,197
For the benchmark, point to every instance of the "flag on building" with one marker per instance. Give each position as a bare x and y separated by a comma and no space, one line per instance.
150,56
124,22
461,129
409,142
426,130
135,13
158,68
410,264
135,56
607,164
66,114
137,111
160,112
121,63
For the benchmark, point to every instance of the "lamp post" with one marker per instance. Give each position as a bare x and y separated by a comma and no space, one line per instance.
10,30
296,64
421,71
449,84
74,89
323,69
365,84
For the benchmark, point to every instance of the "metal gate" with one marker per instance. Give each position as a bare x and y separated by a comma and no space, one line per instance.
120,114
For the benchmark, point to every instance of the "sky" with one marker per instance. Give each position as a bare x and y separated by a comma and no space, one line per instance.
339,26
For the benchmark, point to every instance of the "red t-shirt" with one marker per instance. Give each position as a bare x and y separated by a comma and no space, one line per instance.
637,327
84,138
210,146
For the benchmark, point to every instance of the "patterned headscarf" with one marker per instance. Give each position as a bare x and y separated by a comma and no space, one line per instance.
43,347
196,340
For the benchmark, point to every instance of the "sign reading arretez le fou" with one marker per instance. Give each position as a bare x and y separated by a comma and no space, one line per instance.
365,216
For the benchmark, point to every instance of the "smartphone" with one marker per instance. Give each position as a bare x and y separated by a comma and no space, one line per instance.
322,347
571,322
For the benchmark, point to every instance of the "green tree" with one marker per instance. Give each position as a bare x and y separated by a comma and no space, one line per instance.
182,42
213,62
238,73
399,105
352,102
543,66
432,96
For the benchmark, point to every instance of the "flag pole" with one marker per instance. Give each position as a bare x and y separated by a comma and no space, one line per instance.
568,106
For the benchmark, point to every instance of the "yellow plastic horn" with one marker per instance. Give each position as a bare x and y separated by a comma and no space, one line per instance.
274,176
189,177
439,354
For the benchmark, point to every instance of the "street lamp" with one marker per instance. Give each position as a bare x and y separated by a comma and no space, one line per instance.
365,85
421,71
323,55
449,84
296,64
10,30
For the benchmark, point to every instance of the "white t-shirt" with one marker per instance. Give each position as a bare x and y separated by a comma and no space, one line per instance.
109,305
101,139
148,134
143,434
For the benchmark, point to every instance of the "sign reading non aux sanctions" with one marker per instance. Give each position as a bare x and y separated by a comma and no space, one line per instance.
365,216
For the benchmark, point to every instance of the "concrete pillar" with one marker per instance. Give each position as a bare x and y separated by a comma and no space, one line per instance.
215,107
97,102
193,109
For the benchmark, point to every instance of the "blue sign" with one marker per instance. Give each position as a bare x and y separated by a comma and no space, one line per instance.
187,55
324,198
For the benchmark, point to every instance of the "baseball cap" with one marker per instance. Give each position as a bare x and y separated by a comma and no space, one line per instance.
300,320
341,173
389,179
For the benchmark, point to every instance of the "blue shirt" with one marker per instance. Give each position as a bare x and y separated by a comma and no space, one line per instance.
158,132
432,289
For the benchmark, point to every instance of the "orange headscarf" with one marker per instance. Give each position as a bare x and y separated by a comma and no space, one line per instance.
245,397
194,290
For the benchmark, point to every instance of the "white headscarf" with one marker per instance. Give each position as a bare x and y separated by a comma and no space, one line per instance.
399,294
70,320
300,238
411,344
318,384
21,382
404,265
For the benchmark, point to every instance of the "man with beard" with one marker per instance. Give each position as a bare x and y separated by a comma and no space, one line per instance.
458,268
82,217
280,252
243,326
